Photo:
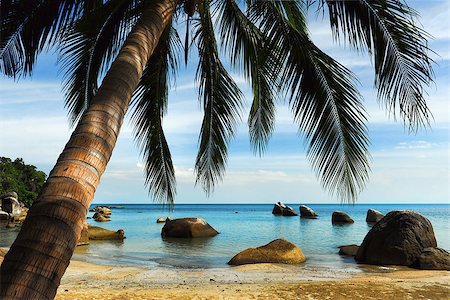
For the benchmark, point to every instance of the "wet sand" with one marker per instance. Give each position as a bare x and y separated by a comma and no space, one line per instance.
263,281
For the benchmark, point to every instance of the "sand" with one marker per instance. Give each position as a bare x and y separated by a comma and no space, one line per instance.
263,281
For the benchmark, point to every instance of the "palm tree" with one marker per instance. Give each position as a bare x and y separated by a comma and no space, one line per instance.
133,46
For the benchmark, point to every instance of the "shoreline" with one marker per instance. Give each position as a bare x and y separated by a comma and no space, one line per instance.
84,280
260,281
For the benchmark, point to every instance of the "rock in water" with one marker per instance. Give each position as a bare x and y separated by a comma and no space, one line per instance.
278,251
289,212
100,218
341,217
99,233
306,212
278,208
349,250
397,239
373,216
161,220
187,228
434,259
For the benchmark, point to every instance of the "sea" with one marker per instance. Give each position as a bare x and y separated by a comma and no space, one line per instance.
240,226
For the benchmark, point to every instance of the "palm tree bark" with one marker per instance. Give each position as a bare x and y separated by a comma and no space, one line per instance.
38,258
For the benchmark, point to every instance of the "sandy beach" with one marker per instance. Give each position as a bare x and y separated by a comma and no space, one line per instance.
84,280
265,281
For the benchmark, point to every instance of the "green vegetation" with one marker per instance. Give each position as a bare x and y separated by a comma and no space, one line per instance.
21,178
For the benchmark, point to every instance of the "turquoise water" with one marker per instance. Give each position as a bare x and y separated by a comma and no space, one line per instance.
240,227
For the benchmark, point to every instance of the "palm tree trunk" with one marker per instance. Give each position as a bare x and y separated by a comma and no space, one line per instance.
38,258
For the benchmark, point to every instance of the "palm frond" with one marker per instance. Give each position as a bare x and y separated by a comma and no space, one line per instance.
27,27
387,29
89,47
324,100
245,44
149,105
222,102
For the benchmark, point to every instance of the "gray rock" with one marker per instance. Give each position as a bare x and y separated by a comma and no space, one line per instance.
306,212
289,212
4,215
278,208
348,250
339,217
373,216
187,228
397,239
434,259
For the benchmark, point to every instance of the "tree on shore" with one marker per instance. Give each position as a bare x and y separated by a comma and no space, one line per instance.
25,180
132,46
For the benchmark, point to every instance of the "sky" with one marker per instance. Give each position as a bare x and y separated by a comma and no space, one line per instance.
405,168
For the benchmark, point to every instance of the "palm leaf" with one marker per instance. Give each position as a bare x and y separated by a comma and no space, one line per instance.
388,30
88,50
28,26
222,102
245,44
149,106
324,100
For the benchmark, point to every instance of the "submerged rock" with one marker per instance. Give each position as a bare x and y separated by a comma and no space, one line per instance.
98,217
289,212
306,212
280,209
348,250
277,251
434,259
397,239
341,217
187,228
99,233
373,216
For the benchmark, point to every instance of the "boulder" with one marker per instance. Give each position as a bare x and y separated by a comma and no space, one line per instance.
4,215
289,212
397,239
84,237
10,204
340,217
187,228
348,250
278,251
434,259
100,218
12,195
306,212
161,220
99,233
373,216
104,210
278,208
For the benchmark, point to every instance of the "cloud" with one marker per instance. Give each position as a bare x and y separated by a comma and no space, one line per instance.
414,145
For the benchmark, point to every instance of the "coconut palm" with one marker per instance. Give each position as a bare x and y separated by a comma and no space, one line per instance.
132,46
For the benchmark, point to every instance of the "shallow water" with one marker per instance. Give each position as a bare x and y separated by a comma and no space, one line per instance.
240,226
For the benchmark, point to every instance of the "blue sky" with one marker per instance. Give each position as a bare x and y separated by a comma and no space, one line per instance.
405,168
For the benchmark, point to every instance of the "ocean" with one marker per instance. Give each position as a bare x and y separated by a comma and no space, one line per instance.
241,226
